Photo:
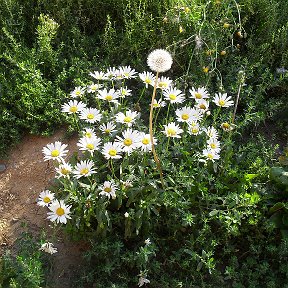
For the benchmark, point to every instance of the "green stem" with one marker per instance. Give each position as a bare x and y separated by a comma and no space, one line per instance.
157,161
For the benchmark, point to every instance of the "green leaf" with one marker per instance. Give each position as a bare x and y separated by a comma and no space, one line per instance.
276,207
213,213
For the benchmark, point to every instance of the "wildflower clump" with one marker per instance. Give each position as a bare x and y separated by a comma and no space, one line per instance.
115,171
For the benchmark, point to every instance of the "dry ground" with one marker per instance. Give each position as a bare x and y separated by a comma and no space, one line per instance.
25,177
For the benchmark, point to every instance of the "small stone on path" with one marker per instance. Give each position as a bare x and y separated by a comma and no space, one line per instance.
2,168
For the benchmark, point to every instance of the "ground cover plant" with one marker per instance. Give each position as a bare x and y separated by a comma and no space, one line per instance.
172,185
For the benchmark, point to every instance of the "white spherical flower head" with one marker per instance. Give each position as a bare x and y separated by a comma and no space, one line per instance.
159,60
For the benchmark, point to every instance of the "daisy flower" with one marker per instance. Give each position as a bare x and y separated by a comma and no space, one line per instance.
194,128
145,143
90,115
202,105
98,75
214,145
227,127
107,128
211,132
185,114
63,170
73,106
129,140
55,151
198,94
196,114
123,92
111,73
88,133
127,118
222,100
84,168
59,212
148,78
48,248
111,150
159,60
109,96
77,92
108,189
210,154
172,130
173,95
45,198
93,88
89,144
164,82
127,72
158,104
142,279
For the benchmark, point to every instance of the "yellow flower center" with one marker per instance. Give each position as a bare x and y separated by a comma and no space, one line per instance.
112,152
60,211
226,25
185,117
148,81
84,171
145,141
205,69
210,156
127,142
55,153
194,130
107,189
221,102
198,95
123,92
226,125
73,109
162,84
78,92
156,105
127,119
90,146
223,53
64,171
172,96
202,106
107,131
171,132
90,116
88,134
213,145
46,199
109,97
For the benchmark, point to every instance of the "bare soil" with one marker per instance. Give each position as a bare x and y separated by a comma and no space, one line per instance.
26,175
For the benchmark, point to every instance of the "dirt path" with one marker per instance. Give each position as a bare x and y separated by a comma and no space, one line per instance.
26,175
